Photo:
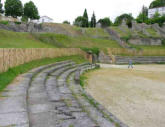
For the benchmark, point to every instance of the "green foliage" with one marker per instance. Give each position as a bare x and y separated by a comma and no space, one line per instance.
79,21
143,16
8,77
119,19
1,9
18,23
91,50
4,22
105,22
157,19
66,22
153,33
31,11
85,22
157,3
93,20
83,78
126,38
96,32
163,42
24,19
13,8
59,40
9,39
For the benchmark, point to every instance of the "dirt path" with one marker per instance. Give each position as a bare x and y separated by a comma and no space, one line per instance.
136,96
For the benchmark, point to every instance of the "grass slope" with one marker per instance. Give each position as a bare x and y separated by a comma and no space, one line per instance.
89,38
10,39
12,73
59,40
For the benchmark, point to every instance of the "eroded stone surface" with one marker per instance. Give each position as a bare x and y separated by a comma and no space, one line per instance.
51,101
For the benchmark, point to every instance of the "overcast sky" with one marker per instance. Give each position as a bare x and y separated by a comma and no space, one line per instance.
61,10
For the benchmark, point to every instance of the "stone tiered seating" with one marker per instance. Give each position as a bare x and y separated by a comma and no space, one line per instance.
48,96
140,59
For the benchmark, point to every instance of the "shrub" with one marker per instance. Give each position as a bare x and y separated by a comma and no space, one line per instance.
24,19
4,22
163,42
66,22
105,22
17,23
92,50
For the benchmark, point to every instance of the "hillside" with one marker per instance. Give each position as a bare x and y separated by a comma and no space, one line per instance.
140,37
60,35
10,39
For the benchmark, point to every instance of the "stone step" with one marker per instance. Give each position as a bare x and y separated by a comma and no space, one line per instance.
100,120
140,59
13,105
49,104
46,98
41,110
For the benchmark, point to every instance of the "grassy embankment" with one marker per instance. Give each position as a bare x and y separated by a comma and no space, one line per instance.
141,50
74,37
12,73
10,39
90,38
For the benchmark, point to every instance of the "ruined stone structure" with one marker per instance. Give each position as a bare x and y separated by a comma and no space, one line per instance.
145,41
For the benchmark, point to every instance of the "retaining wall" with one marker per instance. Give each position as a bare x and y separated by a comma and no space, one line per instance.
12,57
140,59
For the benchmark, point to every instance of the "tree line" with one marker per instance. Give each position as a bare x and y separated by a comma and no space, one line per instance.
15,8
83,21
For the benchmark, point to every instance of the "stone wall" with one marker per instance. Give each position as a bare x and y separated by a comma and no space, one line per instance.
11,19
140,59
145,41
103,58
32,27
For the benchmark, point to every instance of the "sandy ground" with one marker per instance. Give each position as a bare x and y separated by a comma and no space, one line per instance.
136,96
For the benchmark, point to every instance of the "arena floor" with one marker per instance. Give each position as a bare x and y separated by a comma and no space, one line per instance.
136,96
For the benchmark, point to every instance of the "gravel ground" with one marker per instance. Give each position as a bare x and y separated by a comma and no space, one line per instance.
136,96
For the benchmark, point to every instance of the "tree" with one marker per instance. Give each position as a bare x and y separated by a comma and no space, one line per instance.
1,5
31,11
157,3
127,17
13,8
143,16
93,20
157,18
105,22
66,22
85,21
79,21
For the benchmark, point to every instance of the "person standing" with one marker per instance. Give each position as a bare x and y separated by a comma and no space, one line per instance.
130,64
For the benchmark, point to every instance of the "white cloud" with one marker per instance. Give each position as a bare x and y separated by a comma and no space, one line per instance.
61,10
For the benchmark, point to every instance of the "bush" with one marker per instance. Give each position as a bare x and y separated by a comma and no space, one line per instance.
163,42
4,22
24,19
92,50
105,22
127,17
18,23
66,22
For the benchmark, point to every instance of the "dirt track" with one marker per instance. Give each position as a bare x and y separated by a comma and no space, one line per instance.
136,96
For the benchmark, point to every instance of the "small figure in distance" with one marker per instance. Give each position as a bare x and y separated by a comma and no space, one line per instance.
130,64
